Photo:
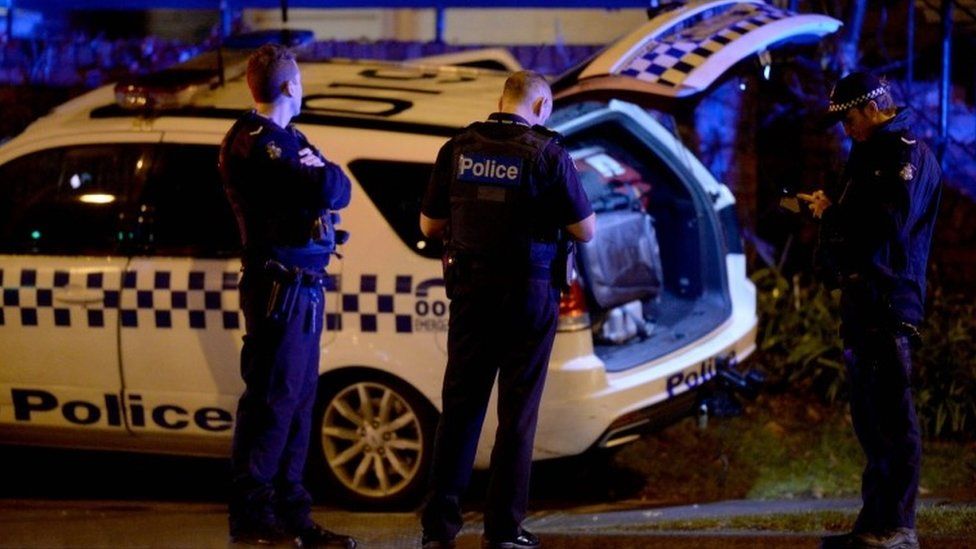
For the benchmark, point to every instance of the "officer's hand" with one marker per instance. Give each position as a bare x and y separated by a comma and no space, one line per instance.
817,202
308,158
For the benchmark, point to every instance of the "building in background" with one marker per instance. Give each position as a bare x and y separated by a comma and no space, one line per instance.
461,26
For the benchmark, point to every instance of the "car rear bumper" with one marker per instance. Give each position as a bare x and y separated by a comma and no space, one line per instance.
584,407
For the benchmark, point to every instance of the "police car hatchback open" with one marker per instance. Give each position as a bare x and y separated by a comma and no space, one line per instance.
119,257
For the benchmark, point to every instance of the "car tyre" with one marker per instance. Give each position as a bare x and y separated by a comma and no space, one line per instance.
372,441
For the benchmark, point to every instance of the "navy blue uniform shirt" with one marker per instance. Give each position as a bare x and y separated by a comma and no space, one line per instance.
276,198
558,199
883,214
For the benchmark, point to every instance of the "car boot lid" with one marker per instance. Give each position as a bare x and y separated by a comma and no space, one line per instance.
682,52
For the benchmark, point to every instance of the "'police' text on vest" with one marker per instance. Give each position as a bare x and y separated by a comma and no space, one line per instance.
493,170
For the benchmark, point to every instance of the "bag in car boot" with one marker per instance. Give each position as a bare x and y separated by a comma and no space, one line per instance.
623,261
623,323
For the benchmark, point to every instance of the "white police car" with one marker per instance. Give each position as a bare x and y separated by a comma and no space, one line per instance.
119,323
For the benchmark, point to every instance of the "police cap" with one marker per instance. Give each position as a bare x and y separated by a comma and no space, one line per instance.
854,90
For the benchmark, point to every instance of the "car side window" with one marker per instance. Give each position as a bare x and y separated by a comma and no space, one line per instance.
397,188
183,210
69,200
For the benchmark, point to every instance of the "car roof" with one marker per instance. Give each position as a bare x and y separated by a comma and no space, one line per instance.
413,98
438,100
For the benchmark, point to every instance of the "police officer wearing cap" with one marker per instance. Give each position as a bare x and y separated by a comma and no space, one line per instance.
876,228
504,194
284,193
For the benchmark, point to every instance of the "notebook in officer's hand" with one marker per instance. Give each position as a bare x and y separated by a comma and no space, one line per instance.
790,203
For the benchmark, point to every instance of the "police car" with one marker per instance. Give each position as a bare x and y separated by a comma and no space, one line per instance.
119,258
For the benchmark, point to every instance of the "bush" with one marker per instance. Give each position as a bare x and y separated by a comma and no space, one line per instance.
946,367
799,335
801,349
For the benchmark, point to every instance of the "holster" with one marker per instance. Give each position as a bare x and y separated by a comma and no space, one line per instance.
281,300
564,264
451,263
286,285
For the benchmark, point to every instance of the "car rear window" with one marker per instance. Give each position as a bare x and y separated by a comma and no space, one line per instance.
396,188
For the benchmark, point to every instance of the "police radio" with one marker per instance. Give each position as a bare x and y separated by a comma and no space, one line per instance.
324,232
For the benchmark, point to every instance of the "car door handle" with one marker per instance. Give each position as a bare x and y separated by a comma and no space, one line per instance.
79,297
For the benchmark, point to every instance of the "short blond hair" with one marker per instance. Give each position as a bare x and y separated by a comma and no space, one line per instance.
267,71
524,85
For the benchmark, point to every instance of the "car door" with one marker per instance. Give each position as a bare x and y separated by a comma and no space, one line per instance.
181,327
65,212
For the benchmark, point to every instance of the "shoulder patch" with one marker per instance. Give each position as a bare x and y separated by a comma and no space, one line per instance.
274,151
907,172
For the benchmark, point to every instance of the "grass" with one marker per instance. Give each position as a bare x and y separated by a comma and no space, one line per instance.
945,520
782,447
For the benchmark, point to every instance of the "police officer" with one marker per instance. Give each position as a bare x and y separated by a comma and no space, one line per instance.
283,192
502,194
874,245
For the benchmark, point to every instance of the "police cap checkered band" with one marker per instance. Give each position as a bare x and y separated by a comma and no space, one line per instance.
854,90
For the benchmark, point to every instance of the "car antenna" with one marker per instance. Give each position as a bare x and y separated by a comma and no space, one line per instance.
285,33
220,62
224,28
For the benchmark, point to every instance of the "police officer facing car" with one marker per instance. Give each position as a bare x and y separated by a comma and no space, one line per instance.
503,193
874,245
283,192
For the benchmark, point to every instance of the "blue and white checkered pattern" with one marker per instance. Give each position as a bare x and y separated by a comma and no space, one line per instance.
669,60
375,308
197,300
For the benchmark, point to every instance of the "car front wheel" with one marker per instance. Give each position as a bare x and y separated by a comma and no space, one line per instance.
372,440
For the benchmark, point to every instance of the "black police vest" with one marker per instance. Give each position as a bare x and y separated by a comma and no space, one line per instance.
493,196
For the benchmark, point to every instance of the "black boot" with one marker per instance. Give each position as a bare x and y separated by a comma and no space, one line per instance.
253,521
525,540
313,535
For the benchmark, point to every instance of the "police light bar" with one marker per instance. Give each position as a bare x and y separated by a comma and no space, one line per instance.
169,89
291,38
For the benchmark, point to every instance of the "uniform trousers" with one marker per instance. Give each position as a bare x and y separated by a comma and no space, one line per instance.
279,365
883,413
503,330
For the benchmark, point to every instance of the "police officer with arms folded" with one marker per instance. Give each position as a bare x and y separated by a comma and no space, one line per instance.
505,197
876,228
283,192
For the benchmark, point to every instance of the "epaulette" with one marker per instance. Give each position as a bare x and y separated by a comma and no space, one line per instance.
901,139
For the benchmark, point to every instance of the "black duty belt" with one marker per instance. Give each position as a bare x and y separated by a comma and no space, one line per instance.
503,269
291,275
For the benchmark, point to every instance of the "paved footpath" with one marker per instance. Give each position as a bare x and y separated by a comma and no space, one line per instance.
86,524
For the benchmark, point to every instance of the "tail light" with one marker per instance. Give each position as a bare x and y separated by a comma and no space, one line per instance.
572,308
